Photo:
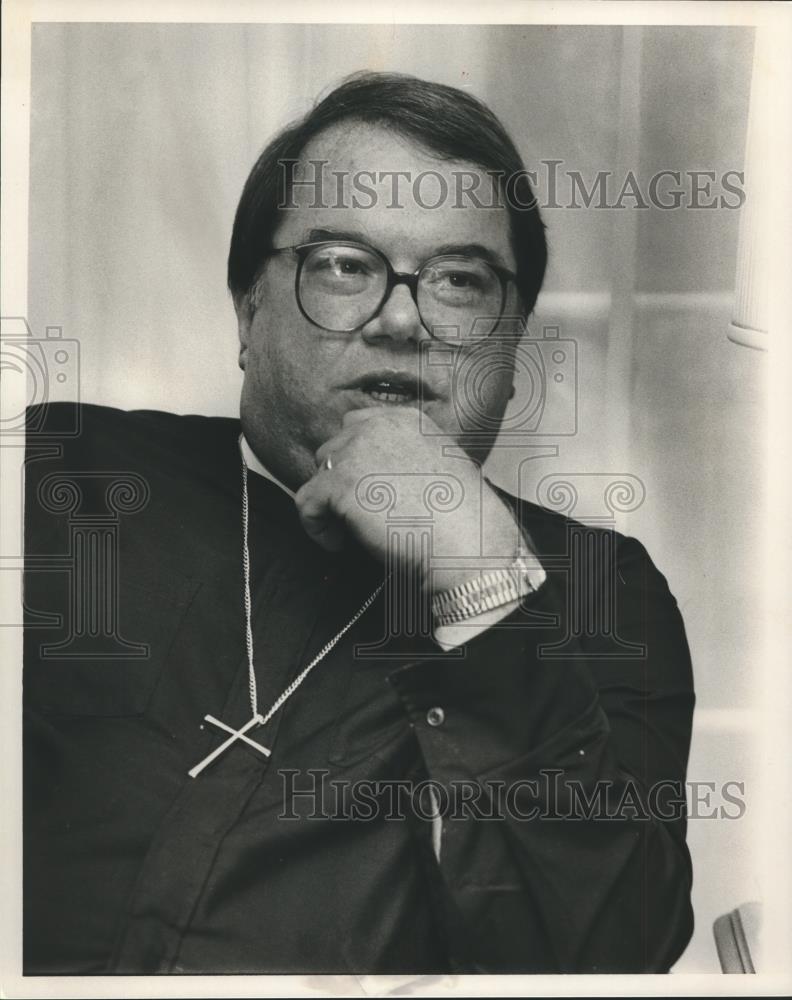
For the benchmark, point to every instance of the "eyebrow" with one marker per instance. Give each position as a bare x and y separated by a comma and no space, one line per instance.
350,236
473,250
462,249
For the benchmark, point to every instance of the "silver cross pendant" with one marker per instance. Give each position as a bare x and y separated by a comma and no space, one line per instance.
236,734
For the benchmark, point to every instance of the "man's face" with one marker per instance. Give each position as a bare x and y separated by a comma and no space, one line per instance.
300,380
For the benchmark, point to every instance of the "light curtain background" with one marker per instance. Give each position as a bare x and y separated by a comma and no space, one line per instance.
142,136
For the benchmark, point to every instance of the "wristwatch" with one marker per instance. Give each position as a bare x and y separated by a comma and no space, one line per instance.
487,591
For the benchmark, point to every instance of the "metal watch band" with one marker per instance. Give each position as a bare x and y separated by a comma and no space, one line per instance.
487,591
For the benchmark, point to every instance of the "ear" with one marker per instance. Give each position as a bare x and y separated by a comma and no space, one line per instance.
244,313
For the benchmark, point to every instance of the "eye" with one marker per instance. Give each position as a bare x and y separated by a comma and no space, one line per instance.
462,279
341,263
457,282
350,266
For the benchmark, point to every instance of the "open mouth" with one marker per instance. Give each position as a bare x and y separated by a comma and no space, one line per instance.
394,389
390,392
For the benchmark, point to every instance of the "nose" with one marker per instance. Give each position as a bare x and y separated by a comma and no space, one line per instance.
398,318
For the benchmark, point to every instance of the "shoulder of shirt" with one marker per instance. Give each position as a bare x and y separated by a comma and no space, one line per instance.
93,436
88,432
550,533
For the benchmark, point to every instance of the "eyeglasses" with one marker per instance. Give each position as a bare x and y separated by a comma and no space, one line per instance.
340,286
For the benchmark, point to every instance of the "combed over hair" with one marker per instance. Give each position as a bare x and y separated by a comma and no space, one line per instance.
443,120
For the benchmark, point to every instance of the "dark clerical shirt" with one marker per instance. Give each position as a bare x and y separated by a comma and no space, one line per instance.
324,856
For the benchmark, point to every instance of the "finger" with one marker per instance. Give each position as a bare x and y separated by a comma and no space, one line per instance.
333,446
318,518
352,417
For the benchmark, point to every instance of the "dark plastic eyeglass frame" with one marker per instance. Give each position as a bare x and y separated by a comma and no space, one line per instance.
394,278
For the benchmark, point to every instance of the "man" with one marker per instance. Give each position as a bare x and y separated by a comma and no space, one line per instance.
305,620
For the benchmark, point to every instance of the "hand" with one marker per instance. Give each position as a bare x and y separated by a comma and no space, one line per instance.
389,445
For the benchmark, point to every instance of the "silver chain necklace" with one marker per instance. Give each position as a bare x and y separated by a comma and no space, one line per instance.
256,718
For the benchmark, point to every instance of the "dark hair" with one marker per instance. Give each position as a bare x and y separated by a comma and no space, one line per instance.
443,120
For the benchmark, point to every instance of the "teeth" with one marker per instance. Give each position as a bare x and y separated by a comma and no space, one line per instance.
390,392
389,397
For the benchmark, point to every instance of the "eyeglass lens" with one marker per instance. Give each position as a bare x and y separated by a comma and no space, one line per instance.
342,287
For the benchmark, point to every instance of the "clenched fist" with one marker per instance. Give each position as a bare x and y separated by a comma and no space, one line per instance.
384,448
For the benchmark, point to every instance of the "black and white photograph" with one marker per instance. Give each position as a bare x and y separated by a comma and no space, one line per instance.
395,552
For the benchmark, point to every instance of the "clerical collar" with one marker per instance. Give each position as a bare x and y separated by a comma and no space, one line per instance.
254,465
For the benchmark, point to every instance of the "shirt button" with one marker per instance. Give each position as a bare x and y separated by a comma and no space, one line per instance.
435,716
